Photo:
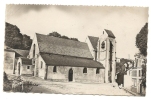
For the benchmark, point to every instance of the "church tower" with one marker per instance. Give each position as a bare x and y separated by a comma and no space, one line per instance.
106,54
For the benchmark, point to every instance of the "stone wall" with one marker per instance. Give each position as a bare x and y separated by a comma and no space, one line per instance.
41,66
9,59
62,74
26,71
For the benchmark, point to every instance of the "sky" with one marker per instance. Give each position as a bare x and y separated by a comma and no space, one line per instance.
81,21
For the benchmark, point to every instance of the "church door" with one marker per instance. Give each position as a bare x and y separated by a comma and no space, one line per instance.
70,75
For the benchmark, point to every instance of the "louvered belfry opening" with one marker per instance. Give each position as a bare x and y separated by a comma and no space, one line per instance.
110,61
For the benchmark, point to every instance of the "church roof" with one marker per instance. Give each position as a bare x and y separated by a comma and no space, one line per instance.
59,60
94,41
55,45
26,61
110,34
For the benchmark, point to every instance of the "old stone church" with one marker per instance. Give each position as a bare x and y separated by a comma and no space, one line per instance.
58,59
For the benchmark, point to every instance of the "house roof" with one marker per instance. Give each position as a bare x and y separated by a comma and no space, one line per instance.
110,34
22,53
19,52
55,45
94,41
26,61
59,60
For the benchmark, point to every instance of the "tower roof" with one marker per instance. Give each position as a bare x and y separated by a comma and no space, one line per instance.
110,34
94,41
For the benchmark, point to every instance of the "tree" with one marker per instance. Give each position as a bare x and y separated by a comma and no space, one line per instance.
14,39
75,39
26,42
55,34
65,37
120,67
141,43
141,40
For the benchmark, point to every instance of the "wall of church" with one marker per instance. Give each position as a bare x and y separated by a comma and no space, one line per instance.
62,74
90,48
24,69
41,67
32,47
27,70
9,59
104,56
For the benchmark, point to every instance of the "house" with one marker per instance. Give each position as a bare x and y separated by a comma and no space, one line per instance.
133,77
11,57
25,66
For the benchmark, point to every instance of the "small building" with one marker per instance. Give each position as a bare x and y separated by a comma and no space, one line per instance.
9,61
133,78
24,66
11,58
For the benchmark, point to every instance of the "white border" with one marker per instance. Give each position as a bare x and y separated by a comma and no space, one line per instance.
23,96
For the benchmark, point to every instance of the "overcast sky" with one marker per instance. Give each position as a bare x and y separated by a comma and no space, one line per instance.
81,21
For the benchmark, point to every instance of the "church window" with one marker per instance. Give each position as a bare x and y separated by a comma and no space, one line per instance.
41,64
34,51
103,45
54,69
97,71
85,70
28,67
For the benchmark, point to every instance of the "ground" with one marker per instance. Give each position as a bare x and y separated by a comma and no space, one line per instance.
46,86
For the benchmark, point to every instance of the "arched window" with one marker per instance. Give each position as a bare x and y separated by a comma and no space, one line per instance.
97,71
28,67
34,51
41,64
103,45
19,68
54,69
85,70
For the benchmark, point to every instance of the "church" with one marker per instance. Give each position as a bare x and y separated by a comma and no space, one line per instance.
64,60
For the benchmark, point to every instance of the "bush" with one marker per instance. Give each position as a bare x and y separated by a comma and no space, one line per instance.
6,83
5,78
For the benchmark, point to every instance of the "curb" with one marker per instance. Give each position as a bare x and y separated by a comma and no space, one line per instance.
135,94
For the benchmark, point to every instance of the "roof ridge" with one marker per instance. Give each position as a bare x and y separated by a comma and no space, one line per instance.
20,49
94,36
60,38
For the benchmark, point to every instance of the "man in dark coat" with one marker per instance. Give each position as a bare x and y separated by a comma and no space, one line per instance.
120,79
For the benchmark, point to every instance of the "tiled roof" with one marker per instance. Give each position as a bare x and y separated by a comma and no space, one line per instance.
55,45
59,60
23,53
26,61
110,34
19,52
94,41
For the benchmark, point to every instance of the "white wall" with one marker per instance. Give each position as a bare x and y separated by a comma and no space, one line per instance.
90,47
36,47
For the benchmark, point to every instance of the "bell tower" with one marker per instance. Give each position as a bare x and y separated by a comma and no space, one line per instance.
107,54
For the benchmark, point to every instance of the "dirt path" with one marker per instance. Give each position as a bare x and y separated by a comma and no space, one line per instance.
39,89
47,86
